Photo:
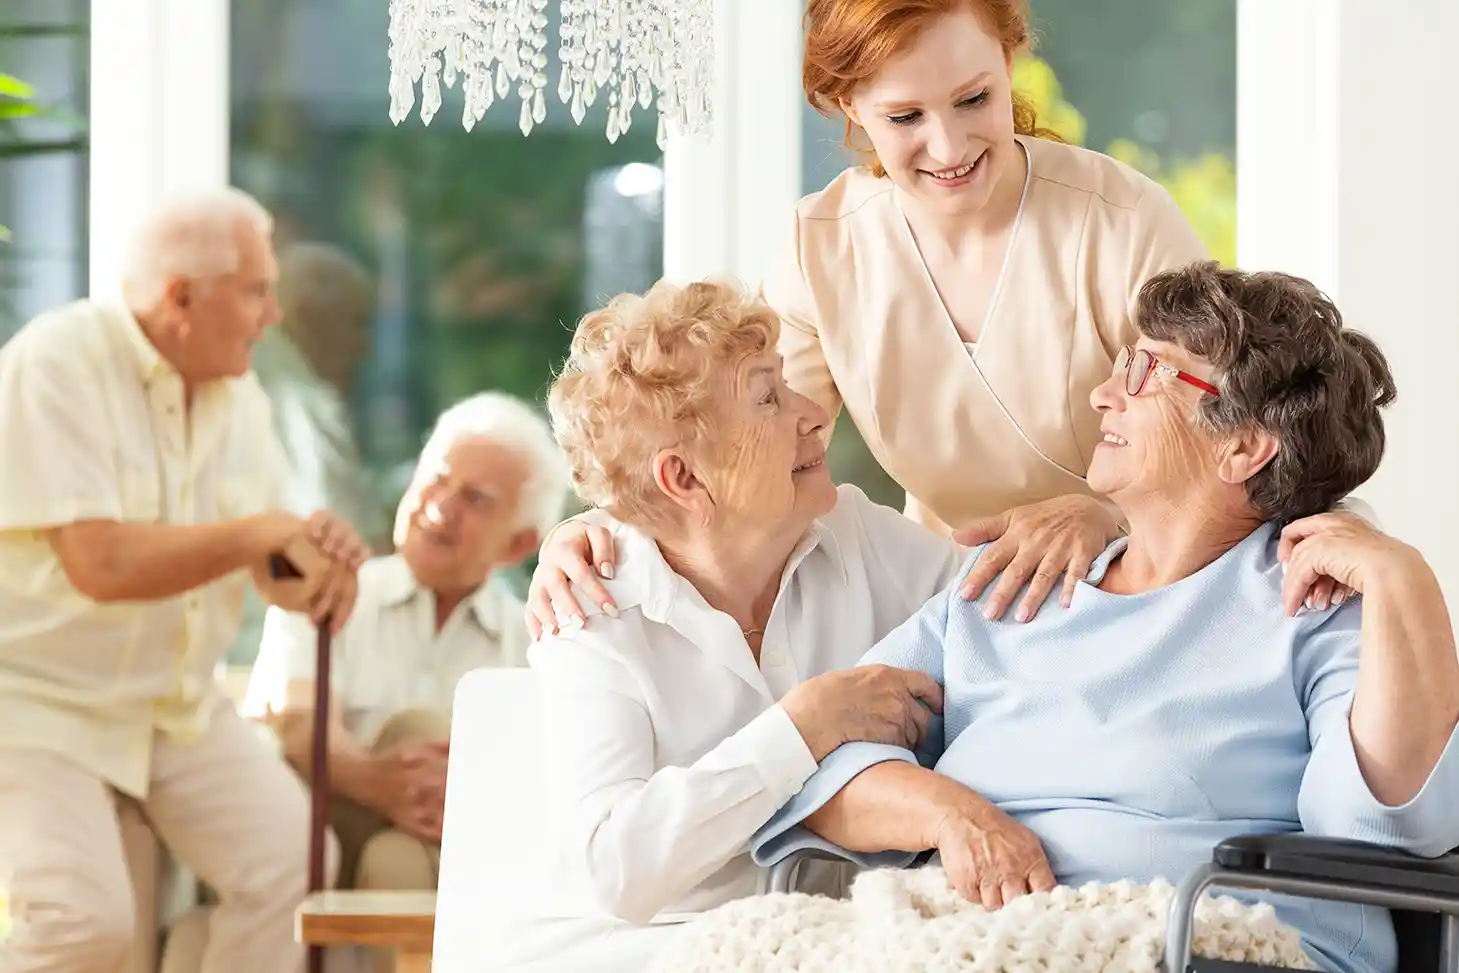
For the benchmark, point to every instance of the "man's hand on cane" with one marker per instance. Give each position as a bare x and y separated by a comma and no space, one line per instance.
327,555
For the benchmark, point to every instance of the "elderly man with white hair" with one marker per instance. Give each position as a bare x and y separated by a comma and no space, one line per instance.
142,488
490,484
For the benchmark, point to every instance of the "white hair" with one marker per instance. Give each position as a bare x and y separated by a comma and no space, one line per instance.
195,236
512,423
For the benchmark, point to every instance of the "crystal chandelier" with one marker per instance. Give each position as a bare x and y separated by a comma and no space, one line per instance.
639,53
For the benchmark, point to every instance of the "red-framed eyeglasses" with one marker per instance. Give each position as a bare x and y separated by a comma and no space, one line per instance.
1138,364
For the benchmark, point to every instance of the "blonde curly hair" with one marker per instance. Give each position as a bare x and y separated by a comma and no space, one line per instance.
643,374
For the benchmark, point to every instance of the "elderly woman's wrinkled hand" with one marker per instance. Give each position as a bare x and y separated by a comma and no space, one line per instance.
574,553
1035,544
872,704
1340,549
991,858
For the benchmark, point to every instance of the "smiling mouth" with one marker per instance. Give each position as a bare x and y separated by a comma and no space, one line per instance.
811,465
1114,440
949,175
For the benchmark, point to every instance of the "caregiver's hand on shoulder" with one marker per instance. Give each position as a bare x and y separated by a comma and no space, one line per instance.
574,553
1329,556
874,704
991,858
1035,544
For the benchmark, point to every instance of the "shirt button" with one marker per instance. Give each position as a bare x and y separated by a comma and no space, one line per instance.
775,659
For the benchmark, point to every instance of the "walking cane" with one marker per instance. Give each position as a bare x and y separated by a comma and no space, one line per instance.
319,793
282,568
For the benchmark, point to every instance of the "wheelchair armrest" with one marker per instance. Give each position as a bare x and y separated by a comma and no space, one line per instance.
1339,860
783,872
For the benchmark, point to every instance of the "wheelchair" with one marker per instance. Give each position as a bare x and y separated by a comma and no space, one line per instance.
1422,894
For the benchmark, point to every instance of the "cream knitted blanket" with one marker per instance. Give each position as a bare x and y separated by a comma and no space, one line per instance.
904,921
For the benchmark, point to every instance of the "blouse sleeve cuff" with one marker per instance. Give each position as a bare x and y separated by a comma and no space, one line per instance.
1425,825
778,751
775,839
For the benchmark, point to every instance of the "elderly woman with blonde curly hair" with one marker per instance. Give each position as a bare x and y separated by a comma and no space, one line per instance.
746,585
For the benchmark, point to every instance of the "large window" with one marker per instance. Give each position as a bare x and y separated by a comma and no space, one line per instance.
1150,82
44,60
420,263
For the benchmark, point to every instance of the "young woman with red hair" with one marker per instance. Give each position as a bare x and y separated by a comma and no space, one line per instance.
963,291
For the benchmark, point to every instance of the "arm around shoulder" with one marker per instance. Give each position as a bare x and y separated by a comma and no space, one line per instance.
1382,700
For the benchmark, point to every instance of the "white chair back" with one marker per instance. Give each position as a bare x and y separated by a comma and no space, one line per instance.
494,866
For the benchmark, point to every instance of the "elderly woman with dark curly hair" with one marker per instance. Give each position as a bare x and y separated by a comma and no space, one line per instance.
1175,704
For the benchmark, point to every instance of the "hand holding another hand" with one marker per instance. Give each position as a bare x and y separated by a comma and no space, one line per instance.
875,704
411,785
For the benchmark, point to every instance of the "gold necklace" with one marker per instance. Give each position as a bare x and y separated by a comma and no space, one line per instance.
747,632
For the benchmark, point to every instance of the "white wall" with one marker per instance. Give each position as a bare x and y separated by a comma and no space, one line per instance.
730,198
1344,176
159,114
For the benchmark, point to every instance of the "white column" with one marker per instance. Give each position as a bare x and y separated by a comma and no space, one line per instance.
1343,176
159,114
729,198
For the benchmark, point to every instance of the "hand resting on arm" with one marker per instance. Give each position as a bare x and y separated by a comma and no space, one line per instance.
883,804
648,835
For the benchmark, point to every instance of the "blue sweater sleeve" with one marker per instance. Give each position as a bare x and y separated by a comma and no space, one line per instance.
915,644
1334,800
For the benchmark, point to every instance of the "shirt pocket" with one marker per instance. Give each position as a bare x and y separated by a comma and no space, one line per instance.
141,496
242,494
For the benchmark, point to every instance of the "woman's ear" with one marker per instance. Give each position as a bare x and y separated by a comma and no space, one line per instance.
677,480
1246,454
849,110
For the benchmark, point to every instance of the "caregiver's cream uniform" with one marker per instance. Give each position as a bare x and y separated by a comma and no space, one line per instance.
667,747
974,431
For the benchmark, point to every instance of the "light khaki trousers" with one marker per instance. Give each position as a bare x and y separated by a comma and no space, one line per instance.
226,805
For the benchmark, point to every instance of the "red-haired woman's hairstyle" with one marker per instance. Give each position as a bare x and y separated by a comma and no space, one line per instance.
848,41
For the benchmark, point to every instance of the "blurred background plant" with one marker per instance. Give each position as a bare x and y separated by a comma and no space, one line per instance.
17,100
1203,186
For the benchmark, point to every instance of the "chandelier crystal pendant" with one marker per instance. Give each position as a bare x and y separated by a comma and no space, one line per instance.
632,53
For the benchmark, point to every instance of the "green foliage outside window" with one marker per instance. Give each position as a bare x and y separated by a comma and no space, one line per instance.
1203,187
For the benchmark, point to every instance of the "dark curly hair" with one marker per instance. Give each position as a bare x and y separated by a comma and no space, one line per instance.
1284,364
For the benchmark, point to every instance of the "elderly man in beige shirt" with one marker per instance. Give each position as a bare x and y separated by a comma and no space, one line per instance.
142,486
490,483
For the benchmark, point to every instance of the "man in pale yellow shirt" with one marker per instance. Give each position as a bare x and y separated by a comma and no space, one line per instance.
142,485
490,483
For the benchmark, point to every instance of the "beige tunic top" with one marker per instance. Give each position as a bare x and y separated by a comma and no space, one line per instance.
973,432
